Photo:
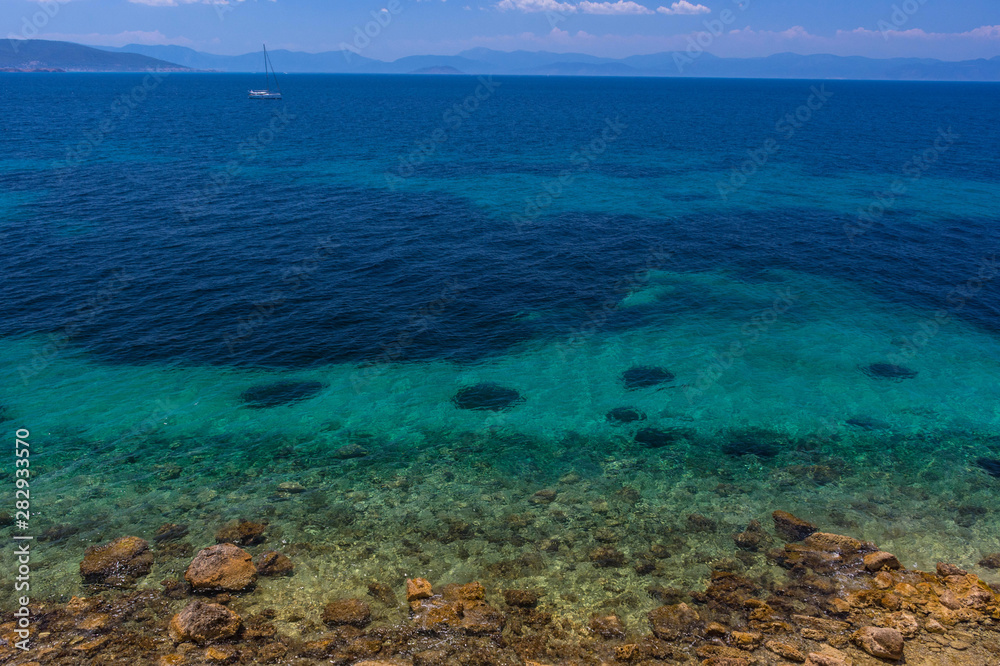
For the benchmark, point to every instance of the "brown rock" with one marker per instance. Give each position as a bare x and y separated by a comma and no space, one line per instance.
418,588
478,617
881,642
880,560
944,569
383,593
607,626
672,622
118,563
607,556
221,567
699,523
791,528
837,543
746,640
430,658
469,592
627,652
991,561
521,598
544,496
905,623
241,532
201,621
352,612
273,563
221,655
753,538
786,651
715,630
821,624
825,659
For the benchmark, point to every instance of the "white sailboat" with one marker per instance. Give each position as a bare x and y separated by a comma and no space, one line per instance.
267,93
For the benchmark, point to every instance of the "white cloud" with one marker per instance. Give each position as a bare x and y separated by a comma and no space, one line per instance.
683,7
620,7
536,6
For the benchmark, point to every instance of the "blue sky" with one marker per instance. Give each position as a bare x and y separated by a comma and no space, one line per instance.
946,29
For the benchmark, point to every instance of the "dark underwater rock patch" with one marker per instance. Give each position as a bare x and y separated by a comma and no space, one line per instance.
889,371
265,396
758,442
645,376
487,397
867,423
625,415
657,438
990,465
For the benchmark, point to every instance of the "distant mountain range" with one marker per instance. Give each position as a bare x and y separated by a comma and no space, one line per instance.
34,55
39,54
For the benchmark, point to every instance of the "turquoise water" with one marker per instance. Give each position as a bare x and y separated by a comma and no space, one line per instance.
141,313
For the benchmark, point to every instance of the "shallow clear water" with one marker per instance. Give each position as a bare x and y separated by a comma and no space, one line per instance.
159,264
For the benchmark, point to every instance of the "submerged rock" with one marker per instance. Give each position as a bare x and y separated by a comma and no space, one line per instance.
352,450
888,371
521,598
607,556
656,438
201,621
646,376
791,528
625,415
273,563
241,532
753,441
118,563
607,626
351,612
989,465
867,423
672,622
170,532
991,561
280,393
487,397
753,538
221,567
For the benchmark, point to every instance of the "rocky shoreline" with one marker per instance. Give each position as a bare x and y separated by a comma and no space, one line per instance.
835,601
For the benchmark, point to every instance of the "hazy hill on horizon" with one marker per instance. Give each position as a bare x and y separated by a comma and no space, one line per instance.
489,61
40,54
44,54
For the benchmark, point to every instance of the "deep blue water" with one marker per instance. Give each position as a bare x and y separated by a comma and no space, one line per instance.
201,256
205,297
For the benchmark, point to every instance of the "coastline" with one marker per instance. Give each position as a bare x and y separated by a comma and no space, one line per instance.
825,600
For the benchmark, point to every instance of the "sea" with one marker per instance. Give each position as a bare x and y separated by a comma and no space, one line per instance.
480,328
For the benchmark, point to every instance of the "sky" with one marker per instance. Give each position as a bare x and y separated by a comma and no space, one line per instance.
944,29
